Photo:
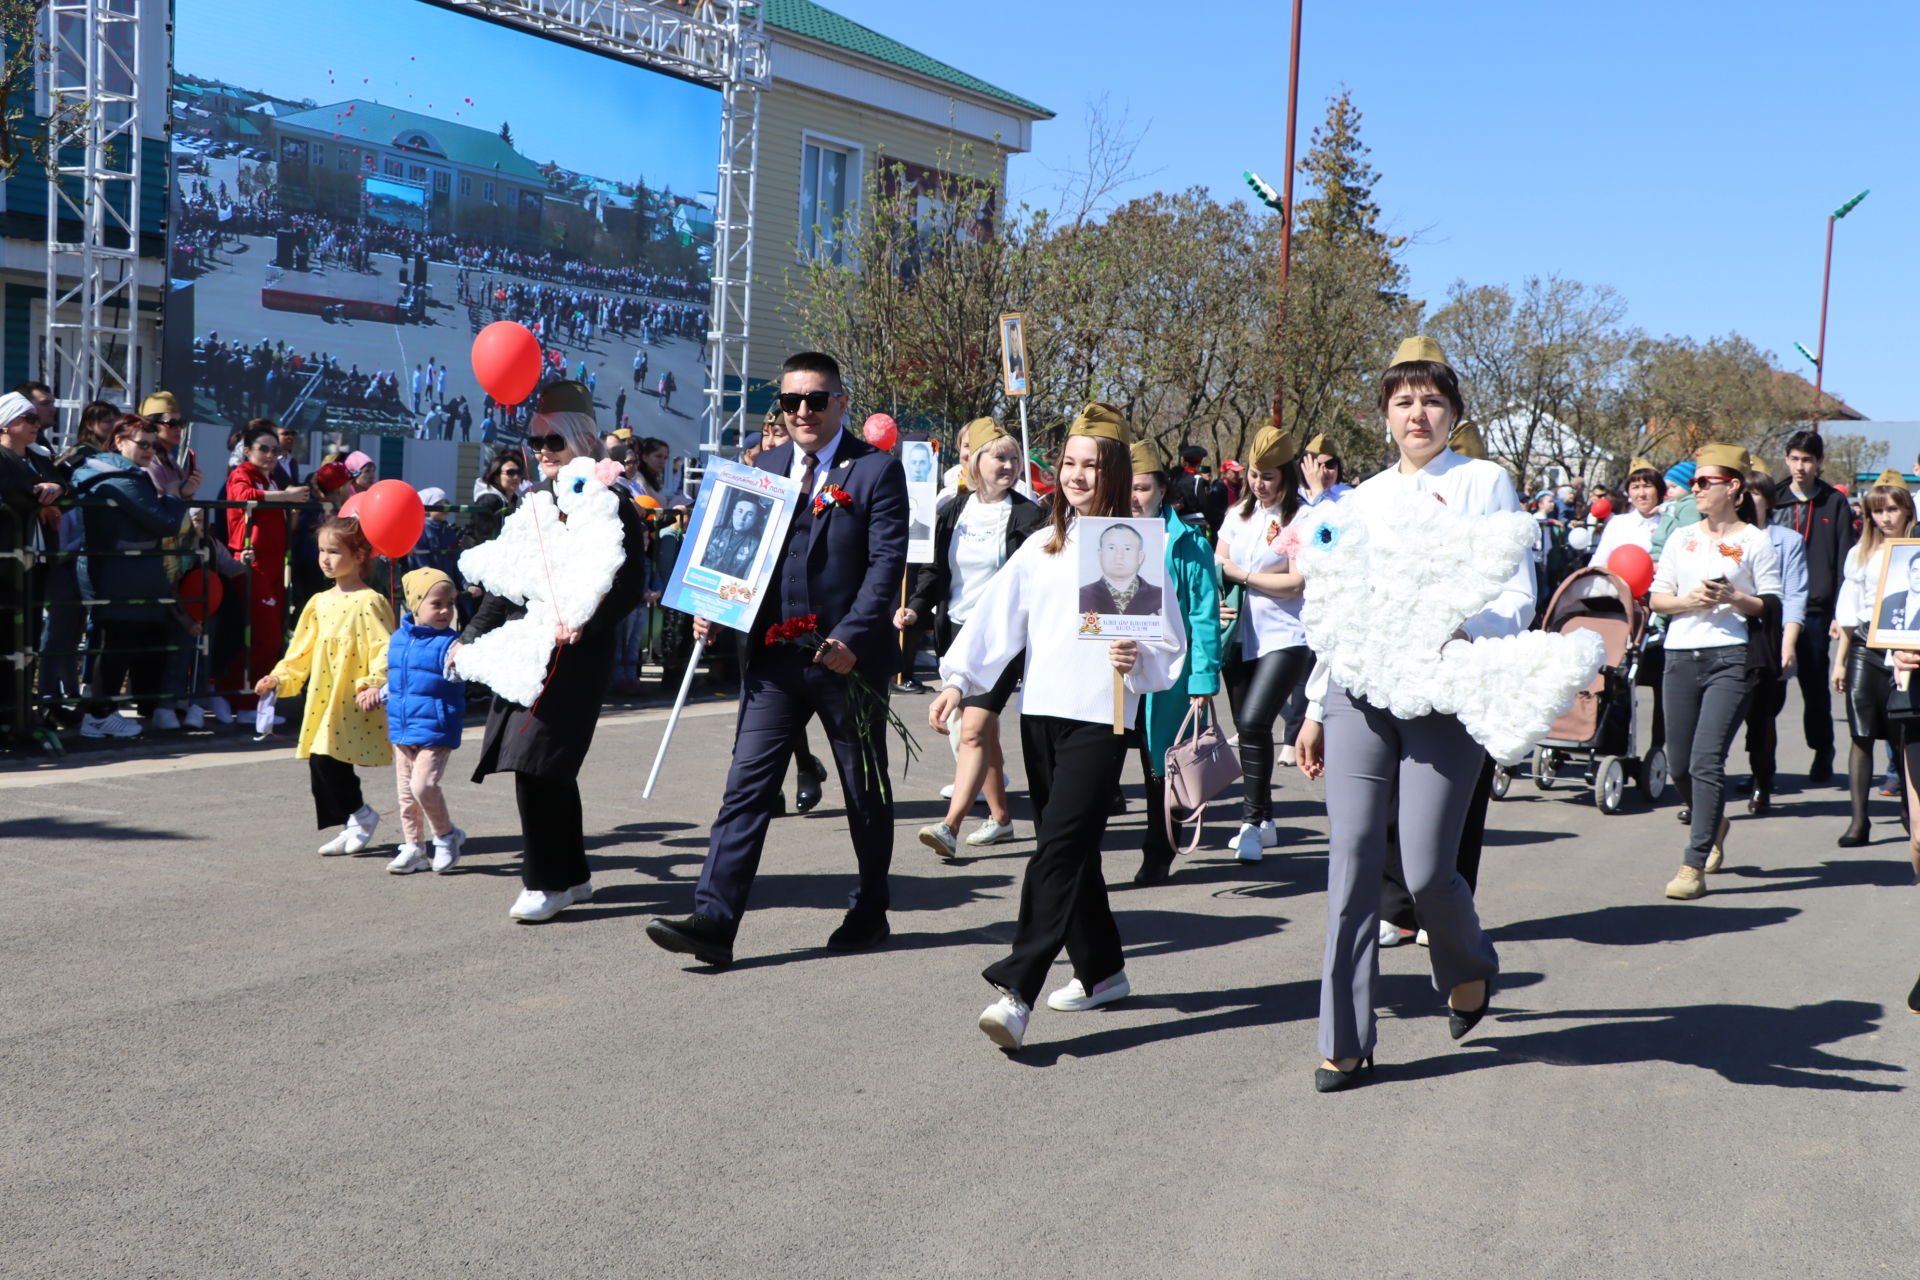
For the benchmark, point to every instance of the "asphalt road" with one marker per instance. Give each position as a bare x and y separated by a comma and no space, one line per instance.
226,1056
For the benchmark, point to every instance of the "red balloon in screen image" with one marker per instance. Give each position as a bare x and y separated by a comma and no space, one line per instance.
392,515
199,594
1601,509
506,360
881,431
1633,566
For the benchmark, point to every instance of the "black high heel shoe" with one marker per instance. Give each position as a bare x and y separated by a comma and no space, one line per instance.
1854,837
1459,1023
1328,1080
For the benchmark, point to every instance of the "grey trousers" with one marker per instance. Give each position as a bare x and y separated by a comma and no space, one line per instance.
1435,764
1706,695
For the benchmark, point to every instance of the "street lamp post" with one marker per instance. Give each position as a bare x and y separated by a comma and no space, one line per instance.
1826,280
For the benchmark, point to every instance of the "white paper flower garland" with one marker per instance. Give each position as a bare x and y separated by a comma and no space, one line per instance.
1388,581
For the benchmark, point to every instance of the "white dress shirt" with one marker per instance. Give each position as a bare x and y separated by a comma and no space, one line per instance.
797,468
1626,529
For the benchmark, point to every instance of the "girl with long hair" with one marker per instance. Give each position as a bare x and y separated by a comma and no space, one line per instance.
1073,755
1865,675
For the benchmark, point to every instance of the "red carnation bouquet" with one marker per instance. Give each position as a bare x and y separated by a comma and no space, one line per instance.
869,704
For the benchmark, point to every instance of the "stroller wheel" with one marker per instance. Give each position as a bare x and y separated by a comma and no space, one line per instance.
1609,784
1545,763
1502,781
1653,775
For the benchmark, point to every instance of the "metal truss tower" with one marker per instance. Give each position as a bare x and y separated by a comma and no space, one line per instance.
93,199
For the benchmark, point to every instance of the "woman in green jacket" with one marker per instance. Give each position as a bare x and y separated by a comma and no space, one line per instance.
1190,569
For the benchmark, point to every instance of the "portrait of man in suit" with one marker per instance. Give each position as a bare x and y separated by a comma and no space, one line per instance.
917,457
1120,589
731,547
1900,607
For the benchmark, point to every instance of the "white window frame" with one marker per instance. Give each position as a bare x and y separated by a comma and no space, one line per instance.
809,250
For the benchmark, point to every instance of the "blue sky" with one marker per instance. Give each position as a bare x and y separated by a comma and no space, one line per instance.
1686,152
587,112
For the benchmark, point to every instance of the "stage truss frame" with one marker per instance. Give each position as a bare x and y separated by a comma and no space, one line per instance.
719,43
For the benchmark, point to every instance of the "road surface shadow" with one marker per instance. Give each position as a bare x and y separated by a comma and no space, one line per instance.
1847,873
1642,925
57,828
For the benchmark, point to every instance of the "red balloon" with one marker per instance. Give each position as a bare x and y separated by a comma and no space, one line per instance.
392,515
506,360
350,509
1633,566
199,594
881,431
1601,509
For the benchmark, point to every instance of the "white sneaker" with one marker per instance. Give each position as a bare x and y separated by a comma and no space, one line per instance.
410,858
946,793
1005,1021
446,852
535,905
1247,843
196,717
166,719
339,843
1269,834
939,838
221,708
361,825
1286,755
1422,939
1392,935
991,832
1073,997
110,725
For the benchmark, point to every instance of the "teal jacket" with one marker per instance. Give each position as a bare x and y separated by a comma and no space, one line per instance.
1196,586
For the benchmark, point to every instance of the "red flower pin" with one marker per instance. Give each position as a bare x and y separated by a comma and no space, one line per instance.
832,495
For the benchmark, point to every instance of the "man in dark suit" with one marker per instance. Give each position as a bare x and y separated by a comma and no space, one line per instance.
843,565
1120,588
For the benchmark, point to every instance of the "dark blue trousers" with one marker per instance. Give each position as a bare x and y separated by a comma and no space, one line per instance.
781,688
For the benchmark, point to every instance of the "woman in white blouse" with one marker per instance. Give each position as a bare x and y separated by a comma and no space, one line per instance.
1710,580
1425,767
1863,674
1073,755
1269,658
1633,527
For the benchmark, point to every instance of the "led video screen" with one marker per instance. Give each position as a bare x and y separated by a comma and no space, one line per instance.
360,186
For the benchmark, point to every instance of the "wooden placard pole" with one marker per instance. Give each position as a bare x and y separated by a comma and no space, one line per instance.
1119,702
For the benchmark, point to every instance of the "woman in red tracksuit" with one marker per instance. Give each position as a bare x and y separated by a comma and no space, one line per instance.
263,532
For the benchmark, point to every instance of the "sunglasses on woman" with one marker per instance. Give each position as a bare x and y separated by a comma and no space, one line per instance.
817,401
513,474
1707,482
555,443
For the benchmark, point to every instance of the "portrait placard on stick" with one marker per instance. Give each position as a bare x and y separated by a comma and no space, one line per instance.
1896,602
735,531
1123,579
1013,354
923,490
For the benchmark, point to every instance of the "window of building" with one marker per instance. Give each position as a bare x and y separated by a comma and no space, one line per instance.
318,158
393,168
440,181
829,179
343,159
486,191
417,173
466,185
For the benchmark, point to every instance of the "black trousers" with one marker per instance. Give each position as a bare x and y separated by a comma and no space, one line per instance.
1763,733
1815,669
1256,690
553,841
1073,770
1155,847
336,790
130,654
1396,900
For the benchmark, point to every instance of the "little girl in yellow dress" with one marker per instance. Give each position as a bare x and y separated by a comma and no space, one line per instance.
340,633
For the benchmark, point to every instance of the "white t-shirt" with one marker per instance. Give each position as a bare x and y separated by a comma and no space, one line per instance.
1745,559
1266,623
1626,529
978,549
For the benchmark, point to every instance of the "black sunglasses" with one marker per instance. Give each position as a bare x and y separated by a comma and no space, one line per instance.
168,422
790,401
508,472
554,443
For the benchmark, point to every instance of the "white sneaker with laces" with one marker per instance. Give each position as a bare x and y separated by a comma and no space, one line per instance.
939,838
446,851
339,843
222,709
110,725
166,719
991,832
535,905
1005,1021
1392,935
1073,997
1269,834
196,717
1247,844
946,792
582,892
361,824
410,858
1422,939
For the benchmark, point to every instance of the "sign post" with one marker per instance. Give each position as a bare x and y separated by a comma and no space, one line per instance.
1013,381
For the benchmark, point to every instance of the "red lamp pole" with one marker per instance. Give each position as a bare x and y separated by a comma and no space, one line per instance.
1286,210
1826,281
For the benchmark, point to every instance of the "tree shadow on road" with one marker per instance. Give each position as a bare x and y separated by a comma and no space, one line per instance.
1642,925
58,828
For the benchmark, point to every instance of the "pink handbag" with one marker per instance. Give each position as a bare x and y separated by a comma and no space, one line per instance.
1199,768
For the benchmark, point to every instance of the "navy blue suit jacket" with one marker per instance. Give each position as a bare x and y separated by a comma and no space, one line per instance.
856,555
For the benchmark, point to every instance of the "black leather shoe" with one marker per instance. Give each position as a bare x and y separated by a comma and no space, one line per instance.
1760,802
1913,996
705,940
806,792
1119,805
1328,1080
1685,816
1853,837
1459,1024
1152,871
1822,771
860,930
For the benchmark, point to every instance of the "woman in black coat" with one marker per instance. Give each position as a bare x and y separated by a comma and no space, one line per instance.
544,746
29,483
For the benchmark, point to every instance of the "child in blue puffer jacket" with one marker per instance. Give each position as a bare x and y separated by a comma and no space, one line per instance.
424,708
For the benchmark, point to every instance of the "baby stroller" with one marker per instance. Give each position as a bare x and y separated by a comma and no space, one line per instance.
1597,731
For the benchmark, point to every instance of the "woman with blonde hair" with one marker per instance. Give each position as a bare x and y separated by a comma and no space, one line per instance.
1865,675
